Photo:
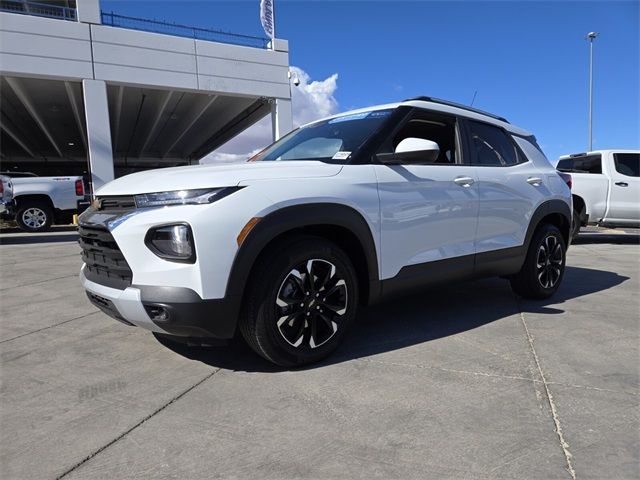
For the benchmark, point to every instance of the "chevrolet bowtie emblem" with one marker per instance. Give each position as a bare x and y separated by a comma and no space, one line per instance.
96,204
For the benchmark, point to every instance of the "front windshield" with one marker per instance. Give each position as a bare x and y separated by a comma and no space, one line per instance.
331,141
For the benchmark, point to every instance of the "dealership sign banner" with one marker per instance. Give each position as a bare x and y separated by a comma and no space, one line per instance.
266,17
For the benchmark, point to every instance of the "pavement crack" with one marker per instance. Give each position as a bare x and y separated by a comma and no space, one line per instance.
37,283
554,411
50,326
141,422
449,370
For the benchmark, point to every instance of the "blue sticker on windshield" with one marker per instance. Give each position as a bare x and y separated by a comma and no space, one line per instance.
379,113
360,116
348,118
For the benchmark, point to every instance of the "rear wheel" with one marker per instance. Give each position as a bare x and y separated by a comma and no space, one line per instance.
300,302
34,217
543,267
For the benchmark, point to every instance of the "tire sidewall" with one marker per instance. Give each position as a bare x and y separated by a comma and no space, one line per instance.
44,208
539,238
281,266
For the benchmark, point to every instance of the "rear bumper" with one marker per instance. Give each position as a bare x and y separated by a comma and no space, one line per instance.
174,311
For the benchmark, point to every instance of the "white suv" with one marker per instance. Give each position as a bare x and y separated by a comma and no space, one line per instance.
342,212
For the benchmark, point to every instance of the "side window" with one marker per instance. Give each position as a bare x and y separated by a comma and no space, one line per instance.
627,164
589,164
565,165
490,146
428,126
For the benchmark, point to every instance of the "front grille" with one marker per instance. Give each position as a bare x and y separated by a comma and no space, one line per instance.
117,203
104,262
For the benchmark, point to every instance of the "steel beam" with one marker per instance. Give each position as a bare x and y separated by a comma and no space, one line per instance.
14,135
191,123
76,113
28,105
156,122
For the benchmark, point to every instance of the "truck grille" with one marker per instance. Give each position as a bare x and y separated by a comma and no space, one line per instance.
117,203
104,262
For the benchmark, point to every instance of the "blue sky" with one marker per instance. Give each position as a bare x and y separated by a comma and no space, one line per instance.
528,61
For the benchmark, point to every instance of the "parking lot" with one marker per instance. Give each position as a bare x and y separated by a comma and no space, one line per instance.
462,382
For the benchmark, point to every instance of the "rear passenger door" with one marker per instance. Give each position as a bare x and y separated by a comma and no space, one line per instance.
510,187
624,196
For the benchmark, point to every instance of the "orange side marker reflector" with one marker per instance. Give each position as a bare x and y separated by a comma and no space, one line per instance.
247,228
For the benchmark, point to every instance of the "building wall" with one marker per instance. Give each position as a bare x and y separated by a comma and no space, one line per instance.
102,55
72,50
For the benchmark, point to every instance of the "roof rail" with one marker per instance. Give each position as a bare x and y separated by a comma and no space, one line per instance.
457,105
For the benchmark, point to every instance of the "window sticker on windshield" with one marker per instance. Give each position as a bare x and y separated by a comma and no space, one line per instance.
379,113
348,118
360,116
341,155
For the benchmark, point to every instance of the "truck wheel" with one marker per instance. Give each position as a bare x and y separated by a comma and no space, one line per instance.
543,268
300,302
34,217
575,226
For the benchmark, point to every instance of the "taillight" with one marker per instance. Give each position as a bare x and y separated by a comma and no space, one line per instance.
79,188
1,187
567,179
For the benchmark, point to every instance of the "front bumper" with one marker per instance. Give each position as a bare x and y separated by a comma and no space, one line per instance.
184,312
6,208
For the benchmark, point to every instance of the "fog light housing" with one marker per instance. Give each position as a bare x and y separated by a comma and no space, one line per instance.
157,313
172,242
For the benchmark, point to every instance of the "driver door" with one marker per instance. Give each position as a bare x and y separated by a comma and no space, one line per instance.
429,212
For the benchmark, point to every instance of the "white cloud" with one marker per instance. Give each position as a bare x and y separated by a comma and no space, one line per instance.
310,100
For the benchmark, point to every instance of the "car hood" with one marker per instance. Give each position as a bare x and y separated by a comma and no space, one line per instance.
211,176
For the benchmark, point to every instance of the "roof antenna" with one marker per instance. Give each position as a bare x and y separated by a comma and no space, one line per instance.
474,98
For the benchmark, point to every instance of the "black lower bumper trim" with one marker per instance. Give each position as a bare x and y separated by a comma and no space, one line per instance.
182,312
107,307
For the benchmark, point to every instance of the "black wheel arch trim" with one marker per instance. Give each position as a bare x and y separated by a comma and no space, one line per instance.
296,217
547,208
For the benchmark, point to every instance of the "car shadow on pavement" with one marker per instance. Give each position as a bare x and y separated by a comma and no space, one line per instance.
415,319
604,238
32,239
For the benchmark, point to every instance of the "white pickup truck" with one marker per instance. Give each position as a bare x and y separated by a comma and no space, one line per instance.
606,188
41,201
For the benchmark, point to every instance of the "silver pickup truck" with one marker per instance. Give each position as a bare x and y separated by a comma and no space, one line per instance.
40,202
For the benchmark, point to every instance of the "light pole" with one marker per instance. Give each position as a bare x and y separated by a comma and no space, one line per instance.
591,36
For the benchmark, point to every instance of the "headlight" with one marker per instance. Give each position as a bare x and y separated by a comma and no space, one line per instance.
172,242
183,197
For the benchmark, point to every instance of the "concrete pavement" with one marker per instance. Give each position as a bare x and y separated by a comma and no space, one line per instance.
462,382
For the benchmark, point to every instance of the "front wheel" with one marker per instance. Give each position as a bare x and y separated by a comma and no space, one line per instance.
543,268
300,302
34,217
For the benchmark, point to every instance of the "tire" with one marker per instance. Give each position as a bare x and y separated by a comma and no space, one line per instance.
34,217
543,268
575,225
287,319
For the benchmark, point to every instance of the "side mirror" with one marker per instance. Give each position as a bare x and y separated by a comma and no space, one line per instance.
412,150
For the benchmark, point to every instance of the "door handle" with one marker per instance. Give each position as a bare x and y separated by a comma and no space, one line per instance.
464,181
622,184
535,181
